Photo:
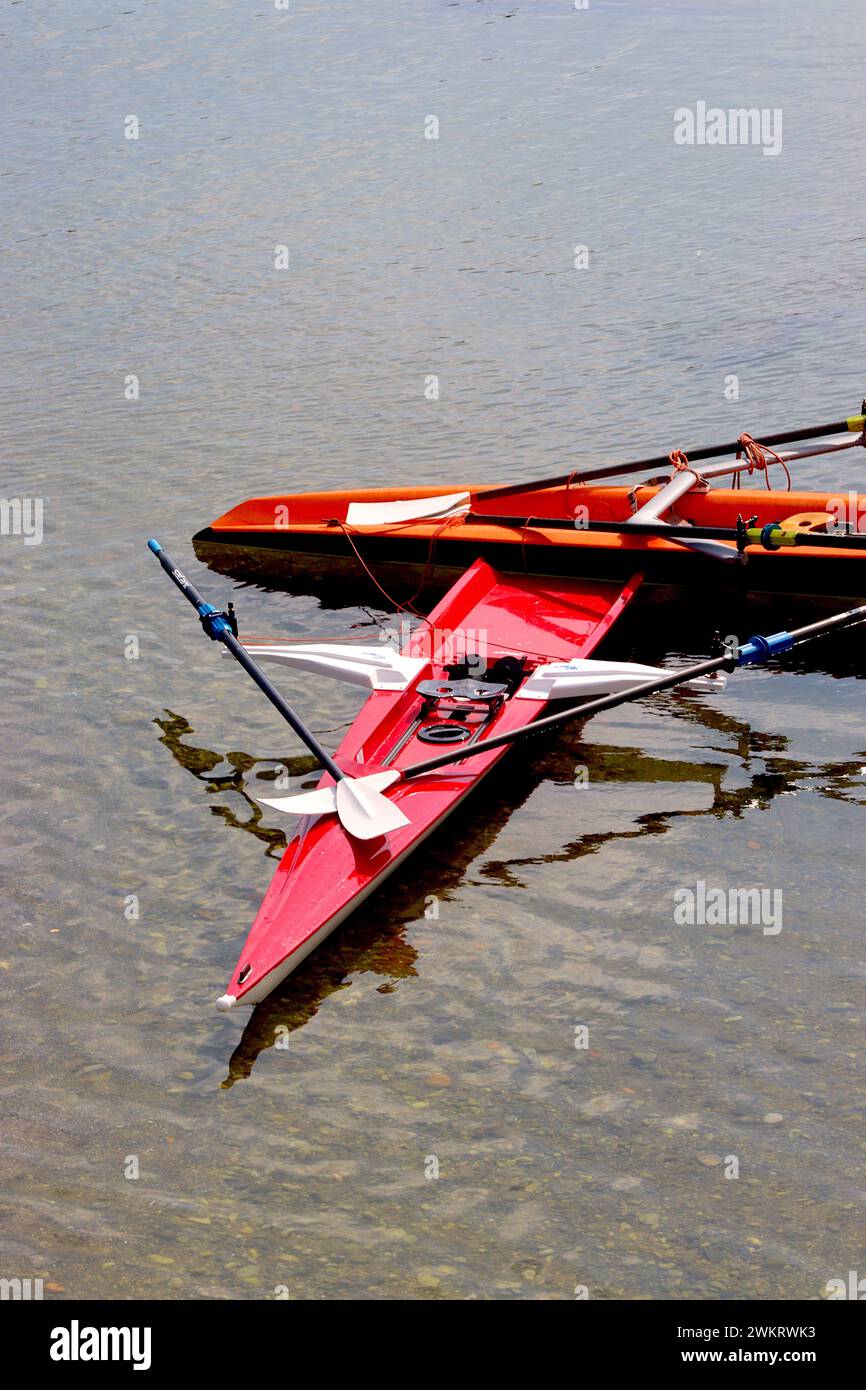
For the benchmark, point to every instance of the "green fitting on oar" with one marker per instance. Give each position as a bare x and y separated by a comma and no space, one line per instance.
773,536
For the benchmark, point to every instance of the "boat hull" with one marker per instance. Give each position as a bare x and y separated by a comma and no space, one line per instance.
487,619
316,537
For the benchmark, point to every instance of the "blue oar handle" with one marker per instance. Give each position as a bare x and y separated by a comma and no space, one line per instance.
214,622
759,649
219,626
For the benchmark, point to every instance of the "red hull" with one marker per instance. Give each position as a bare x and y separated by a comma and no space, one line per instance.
324,873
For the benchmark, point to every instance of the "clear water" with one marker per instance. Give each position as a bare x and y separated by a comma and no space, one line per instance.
294,1151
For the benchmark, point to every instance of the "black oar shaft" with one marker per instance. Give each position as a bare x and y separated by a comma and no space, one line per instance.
218,627
306,735
827,540
704,451
548,721
754,651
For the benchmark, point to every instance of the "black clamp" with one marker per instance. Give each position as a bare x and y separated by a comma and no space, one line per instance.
208,622
742,536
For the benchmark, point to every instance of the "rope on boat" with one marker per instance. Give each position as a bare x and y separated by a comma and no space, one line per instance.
426,573
680,464
759,457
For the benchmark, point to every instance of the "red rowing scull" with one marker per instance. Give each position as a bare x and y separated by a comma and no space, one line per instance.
488,659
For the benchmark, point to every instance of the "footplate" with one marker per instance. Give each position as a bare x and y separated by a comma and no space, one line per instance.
481,691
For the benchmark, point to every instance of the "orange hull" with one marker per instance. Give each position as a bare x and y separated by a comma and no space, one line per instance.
307,526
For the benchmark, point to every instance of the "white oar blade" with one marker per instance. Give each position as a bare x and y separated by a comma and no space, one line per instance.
714,550
364,812
583,677
713,684
416,509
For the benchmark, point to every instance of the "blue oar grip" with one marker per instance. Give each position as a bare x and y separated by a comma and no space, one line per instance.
154,546
759,649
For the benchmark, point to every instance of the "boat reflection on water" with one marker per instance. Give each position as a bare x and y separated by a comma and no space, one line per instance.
374,938
202,762
698,610
322,578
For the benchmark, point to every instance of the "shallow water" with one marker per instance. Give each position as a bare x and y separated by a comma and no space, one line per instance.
293,1150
